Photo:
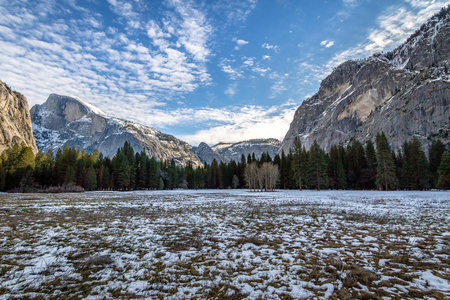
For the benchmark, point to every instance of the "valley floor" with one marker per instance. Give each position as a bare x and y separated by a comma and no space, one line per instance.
225,245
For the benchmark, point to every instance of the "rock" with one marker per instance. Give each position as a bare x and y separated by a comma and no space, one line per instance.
64,120
404,93
15,121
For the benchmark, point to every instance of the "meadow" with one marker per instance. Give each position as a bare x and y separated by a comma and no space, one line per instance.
225,244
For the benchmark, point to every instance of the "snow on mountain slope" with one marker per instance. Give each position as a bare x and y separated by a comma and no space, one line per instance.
64,120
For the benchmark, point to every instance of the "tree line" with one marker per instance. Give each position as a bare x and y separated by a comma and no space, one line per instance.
355,166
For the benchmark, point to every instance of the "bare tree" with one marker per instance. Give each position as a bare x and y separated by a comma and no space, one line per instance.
263,178
251,174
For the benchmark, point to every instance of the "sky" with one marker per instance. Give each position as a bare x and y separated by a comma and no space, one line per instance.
203,71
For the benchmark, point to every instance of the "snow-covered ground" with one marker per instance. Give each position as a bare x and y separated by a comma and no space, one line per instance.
225,245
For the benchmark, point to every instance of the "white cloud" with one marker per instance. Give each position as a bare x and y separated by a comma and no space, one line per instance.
246,123
194,30
327,43
248,61
266,57
40,56
270,47
232,72
240,43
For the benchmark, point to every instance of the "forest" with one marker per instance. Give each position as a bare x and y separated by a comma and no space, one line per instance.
355,167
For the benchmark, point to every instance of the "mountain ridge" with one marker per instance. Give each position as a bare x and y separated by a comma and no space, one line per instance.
65,120
403,93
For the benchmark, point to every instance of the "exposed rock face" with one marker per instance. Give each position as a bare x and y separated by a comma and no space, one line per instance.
15,121
206,153
404,93
64,120
258,146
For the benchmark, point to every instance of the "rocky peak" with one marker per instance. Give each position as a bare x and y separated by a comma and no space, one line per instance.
15,121
206,153
64,120
402,93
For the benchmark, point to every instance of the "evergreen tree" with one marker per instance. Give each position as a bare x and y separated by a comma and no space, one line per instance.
122,171
357,163
444,172
317,167
369,173
299,164
437,148
336,170
69,176
415,166
91,179
106,179
386,176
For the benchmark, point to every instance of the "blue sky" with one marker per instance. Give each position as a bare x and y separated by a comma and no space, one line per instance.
213,71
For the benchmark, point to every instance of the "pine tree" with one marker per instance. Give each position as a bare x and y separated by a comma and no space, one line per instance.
336,170
357,163
317,167
299,164
444,172
121,171
415,166
386,175
437,148
369,173
91,179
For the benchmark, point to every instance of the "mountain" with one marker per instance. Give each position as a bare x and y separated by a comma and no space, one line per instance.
234,151
405,93
15,121
206,153
64,120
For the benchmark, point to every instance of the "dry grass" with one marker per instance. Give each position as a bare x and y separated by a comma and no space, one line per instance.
217,246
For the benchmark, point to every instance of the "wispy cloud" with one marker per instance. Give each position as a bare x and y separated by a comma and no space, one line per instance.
82,57
231,89
236,11
392,28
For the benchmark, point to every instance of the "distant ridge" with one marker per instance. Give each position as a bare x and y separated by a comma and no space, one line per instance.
234,151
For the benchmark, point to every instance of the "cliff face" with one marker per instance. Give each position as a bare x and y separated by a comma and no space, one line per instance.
404,93
15,121
64,120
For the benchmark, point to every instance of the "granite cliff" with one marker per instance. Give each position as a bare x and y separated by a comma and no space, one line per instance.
70,121
15,121
405,93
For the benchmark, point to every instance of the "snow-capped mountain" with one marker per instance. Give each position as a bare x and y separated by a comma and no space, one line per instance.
234,151
405,93
206,153
64,120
